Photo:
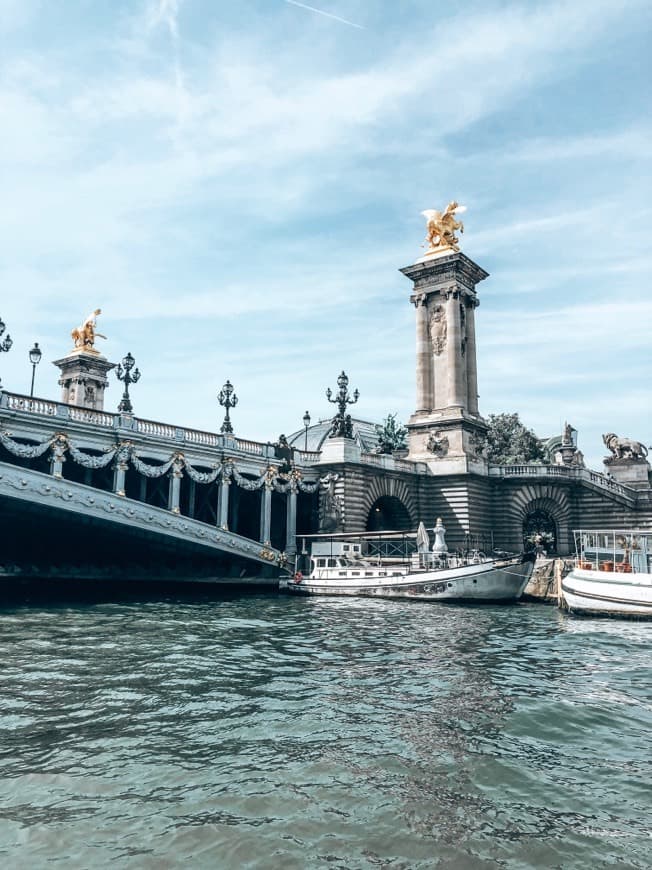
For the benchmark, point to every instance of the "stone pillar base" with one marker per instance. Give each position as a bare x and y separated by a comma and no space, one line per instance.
450,442
84,378
630,472
339,450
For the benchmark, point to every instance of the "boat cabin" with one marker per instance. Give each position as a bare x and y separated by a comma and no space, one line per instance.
622,550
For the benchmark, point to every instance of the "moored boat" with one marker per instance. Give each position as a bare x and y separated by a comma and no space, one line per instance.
612,575
349,567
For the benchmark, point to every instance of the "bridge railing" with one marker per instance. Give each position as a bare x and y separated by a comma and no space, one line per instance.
594,477
148,428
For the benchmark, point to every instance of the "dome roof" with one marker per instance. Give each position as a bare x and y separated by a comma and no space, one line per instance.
364,432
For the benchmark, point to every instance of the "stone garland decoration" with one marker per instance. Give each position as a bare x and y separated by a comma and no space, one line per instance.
25,451
151,470
308,487
202,476
251,485
91,461
226,469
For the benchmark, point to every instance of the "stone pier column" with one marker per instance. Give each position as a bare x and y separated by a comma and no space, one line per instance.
456,391
223,504
266,514
175,476
192,492
471,358
291,523
119,474
424,373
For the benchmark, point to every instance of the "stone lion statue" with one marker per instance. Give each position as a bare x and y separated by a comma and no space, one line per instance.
441,226
624,448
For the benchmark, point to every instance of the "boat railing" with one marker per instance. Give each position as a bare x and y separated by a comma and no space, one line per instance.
624,551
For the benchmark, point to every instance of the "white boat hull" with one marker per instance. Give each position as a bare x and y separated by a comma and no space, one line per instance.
486,581
607,593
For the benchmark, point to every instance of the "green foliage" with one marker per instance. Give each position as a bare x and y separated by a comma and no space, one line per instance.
509,442
391,435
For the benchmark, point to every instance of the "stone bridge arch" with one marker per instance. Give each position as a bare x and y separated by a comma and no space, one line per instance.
527,506
393,500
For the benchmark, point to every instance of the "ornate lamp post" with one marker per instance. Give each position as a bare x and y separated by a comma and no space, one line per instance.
6,344
306,425
342,425
227,399
125,375
35,358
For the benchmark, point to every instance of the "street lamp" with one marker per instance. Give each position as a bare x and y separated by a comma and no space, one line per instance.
35,358
342,425
125,375
227,399
6,344
306,424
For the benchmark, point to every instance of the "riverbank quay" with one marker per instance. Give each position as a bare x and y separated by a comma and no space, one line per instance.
544,584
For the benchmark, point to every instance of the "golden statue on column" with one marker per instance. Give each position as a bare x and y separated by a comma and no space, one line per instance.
441,228
84,336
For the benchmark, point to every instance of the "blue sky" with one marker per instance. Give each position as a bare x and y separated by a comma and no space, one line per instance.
236,185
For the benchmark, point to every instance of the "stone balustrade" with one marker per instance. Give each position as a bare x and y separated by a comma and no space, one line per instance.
563,471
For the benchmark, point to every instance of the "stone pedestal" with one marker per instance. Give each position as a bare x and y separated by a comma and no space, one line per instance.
630,472
446,430
84,378
339,450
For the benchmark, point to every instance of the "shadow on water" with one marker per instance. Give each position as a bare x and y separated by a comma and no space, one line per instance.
26,592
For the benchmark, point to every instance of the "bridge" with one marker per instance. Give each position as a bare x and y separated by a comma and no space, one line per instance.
81,489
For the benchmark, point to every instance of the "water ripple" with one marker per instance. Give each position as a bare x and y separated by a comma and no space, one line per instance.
269,732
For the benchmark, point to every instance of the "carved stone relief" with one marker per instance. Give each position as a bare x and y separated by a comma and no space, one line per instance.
438,329
437,444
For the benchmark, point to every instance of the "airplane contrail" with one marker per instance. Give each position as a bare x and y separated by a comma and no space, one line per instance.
327,14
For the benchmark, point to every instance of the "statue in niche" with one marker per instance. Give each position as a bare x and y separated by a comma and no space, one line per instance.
84,336
90,397
441,227
437,444
438,329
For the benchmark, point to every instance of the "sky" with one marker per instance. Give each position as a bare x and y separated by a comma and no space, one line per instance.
236,185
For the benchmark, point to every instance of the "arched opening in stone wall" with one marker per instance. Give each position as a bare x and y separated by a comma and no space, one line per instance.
388,513
540,531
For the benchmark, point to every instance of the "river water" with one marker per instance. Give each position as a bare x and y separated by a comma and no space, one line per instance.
271,732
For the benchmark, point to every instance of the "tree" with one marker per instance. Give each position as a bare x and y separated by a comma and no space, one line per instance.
509,442
391,435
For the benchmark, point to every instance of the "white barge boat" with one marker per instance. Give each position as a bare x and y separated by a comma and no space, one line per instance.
612,575
348,567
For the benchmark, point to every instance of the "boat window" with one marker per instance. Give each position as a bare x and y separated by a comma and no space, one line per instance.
355,573
321,563
345,548
342,574
332,563
382,573
368,573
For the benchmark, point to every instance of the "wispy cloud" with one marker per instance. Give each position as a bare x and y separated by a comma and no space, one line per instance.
324,13
262,186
